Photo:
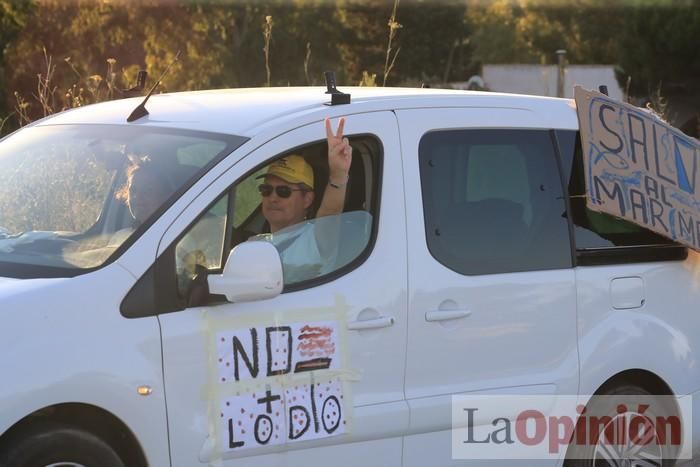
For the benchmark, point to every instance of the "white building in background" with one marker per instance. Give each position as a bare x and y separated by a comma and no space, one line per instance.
541,80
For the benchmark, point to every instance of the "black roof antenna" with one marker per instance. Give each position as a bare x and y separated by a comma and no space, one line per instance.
140,110
337,97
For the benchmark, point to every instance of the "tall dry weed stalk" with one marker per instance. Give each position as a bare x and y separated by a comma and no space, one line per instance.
4,121
658,104
44,88
307,61
394,26
86,90
267,35
368,80
22,110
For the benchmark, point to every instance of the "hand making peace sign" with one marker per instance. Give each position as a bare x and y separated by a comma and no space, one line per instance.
339,153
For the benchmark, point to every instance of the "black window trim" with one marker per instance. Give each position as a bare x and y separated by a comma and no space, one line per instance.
554,135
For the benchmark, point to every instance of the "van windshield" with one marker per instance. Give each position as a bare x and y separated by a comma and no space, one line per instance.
72,197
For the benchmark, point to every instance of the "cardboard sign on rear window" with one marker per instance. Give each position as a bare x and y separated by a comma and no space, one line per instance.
639,167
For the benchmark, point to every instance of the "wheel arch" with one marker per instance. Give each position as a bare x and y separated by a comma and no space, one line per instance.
636,376
640,378
91,418
644,379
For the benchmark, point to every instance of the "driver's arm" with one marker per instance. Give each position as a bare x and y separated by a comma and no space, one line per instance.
333,201
339,161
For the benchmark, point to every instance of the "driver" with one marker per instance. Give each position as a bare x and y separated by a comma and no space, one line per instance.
287,193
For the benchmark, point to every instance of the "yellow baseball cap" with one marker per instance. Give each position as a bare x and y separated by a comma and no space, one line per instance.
292,169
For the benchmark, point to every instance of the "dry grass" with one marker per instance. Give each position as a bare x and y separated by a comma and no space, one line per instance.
267,35
49,98
394,26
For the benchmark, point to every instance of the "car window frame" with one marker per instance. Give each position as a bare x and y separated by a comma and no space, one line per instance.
156,292
554,152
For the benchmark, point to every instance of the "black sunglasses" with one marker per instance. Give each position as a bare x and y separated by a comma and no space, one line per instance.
283,191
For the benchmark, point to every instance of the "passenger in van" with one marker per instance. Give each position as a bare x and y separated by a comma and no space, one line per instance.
145,189
287,194
144,192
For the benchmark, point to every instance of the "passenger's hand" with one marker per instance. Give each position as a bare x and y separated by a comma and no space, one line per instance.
339,153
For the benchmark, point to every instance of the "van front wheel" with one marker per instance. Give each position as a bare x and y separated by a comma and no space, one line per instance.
57,445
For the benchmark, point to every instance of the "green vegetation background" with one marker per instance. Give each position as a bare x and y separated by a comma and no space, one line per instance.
57,54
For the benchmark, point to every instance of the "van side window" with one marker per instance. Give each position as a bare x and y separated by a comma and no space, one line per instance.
202,245
493,202
596,230
311,248
316,247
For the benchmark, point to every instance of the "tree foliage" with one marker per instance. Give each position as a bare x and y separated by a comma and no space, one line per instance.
13,18
97,47
651,42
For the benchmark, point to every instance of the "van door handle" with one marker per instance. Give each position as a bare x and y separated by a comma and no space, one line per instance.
445,315
375,323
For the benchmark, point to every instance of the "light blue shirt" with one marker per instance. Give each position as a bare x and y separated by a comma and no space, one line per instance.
301,259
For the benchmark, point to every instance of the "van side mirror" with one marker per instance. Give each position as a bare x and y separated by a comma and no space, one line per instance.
253,271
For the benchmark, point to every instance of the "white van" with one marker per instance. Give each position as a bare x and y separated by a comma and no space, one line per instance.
466,263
